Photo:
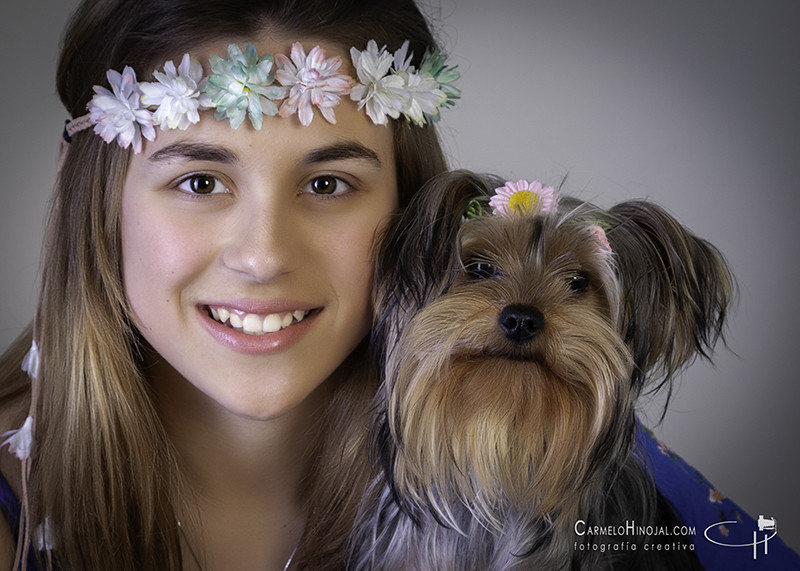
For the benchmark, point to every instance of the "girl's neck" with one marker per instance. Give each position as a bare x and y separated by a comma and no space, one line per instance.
244,476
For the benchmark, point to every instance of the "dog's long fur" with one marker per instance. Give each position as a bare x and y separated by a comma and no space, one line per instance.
494,441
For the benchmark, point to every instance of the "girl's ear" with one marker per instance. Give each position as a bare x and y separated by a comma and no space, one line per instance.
417,255
676,290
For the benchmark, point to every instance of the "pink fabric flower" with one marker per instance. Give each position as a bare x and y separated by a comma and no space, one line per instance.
600,235
522,197
312,79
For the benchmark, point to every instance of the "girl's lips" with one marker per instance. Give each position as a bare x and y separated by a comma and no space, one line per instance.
254,333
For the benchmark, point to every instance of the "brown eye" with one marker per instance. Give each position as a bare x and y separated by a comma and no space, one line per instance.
327,185
201,184
323,185
579,282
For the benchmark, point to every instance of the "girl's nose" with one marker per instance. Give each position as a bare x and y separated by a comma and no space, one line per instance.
262,245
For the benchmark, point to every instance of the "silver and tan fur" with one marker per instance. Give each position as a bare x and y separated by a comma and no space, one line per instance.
513,351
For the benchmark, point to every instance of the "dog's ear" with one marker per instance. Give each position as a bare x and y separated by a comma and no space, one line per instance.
416,257
676,291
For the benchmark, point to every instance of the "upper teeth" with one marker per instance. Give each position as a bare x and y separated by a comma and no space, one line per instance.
254,324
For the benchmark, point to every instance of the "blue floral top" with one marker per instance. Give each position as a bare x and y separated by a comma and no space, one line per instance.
724,536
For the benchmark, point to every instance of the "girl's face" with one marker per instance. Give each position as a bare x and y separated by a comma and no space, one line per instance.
247,254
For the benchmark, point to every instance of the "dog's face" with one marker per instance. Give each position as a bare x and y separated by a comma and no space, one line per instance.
514,347
505,385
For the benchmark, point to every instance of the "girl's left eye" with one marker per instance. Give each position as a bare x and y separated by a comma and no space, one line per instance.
202,184
327,185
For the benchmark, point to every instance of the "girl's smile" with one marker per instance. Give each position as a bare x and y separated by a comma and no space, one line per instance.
256,332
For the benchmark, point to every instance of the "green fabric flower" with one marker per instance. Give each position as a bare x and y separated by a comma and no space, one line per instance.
243,85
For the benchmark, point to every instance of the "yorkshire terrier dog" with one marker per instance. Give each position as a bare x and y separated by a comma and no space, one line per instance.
514,345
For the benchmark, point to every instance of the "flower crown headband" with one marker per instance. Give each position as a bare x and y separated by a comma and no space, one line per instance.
246,85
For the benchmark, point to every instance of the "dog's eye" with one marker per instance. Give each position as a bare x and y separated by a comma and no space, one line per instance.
480,270
578,282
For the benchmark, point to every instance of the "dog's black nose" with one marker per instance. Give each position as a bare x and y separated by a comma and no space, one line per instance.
521,323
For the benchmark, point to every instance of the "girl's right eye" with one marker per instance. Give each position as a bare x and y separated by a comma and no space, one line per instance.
202,184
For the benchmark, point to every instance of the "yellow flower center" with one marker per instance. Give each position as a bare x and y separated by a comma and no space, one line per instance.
524,202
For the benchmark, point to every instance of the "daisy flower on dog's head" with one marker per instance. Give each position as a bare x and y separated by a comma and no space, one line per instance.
522,197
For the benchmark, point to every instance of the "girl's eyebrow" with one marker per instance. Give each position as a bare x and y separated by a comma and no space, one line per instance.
204,152
194,152
343,151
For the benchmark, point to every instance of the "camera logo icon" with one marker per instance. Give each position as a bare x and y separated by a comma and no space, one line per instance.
767,524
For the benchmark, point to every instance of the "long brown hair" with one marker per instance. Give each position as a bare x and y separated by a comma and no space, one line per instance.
105,473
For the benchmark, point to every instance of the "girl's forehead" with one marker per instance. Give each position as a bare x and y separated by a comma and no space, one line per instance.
282,144
272,44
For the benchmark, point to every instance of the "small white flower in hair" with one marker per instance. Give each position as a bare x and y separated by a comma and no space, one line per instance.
312,79
178,94
20,440
118,114
44,537
30,363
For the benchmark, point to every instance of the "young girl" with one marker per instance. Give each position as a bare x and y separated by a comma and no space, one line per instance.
205,289
200,399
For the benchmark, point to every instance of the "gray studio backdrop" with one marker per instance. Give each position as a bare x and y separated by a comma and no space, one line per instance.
693,104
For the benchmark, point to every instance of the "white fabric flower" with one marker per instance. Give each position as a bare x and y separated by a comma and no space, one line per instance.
383,94
424,96
312,79
402,59
177,94
20,440
118,114
30,363
242,85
